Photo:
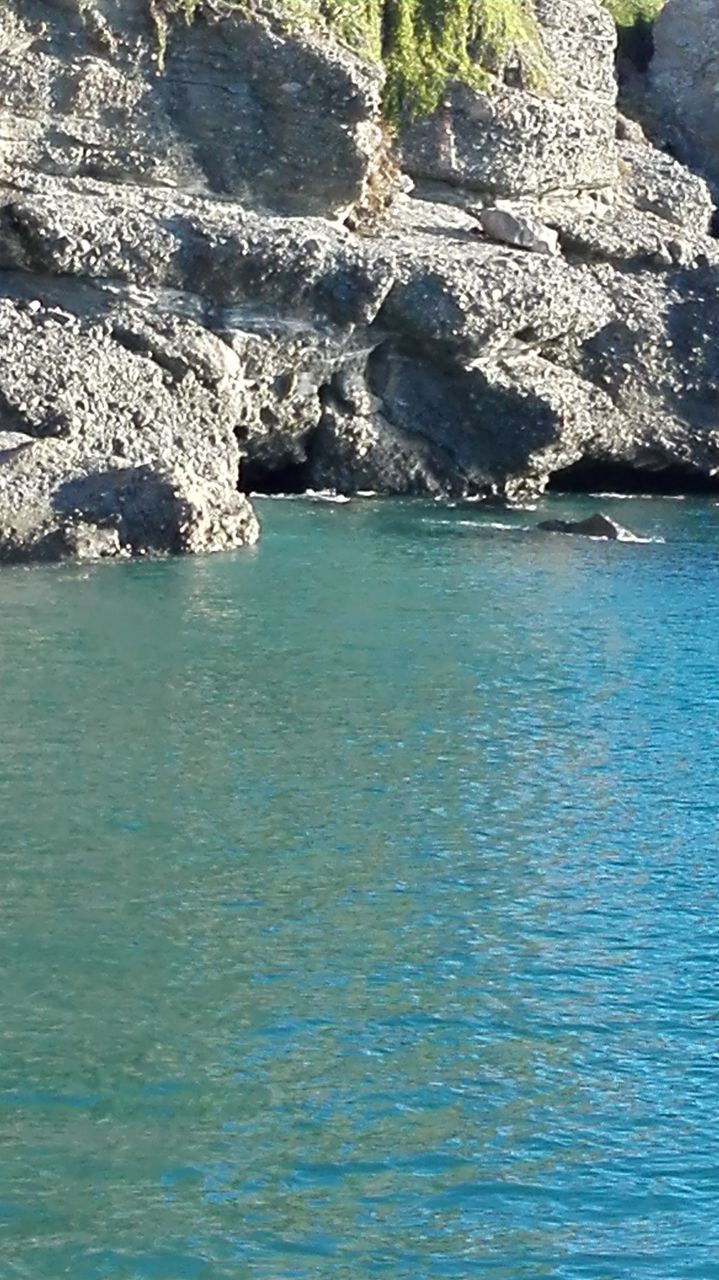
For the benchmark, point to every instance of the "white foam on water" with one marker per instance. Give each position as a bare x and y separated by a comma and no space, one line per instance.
626,536
310,495
641,497
326,495
495,524
501,525
278,497
623,536
616,497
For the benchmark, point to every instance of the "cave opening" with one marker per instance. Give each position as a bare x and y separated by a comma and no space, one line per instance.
272,477
591,475
635,44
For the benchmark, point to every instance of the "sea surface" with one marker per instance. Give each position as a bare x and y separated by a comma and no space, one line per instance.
359,903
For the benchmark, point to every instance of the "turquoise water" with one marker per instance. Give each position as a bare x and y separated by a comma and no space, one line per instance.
360,904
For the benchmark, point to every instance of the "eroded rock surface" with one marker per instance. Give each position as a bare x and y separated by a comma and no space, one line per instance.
123,436
685,77
552,129
230,104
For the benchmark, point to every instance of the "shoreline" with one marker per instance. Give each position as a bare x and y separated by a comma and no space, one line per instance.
198,302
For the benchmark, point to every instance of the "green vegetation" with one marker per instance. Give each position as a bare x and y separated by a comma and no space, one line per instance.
426,43
627,13
423,43
634,19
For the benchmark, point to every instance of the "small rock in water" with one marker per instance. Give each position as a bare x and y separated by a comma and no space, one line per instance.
595,526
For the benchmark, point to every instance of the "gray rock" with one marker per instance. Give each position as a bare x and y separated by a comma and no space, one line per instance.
13,443
167,343
126,426
241,109
685,79
518,141
620,234
656,183
509,225
419,359
657,215
658,361
71,506
595,526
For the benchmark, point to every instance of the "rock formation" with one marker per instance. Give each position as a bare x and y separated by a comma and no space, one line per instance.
685,78
520,141
211,280
595,526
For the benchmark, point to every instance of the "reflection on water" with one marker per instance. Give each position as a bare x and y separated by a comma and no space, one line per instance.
359,904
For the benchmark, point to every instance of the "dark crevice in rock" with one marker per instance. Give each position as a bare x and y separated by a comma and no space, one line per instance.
594,475
139,345
579,253
528,336
334,393
635,47
11,417
270,475
18,244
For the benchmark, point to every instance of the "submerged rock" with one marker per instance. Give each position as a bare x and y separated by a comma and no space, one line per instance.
595,526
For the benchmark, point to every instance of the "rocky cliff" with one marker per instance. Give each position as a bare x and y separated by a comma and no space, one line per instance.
685,79
213,278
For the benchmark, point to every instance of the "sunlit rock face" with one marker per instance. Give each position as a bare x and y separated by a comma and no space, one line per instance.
195,301
232,106
685,77
525,138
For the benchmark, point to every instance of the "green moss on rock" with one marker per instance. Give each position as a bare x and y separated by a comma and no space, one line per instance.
627,13
426,43
429,42
422,43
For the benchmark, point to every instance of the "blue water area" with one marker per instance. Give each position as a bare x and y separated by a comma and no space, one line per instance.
359,897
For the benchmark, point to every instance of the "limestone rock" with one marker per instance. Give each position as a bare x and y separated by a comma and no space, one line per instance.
656,183
168,343
508,225
59,503
658,360
12,444
241,109
658,214
685,78
519,140
125,426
